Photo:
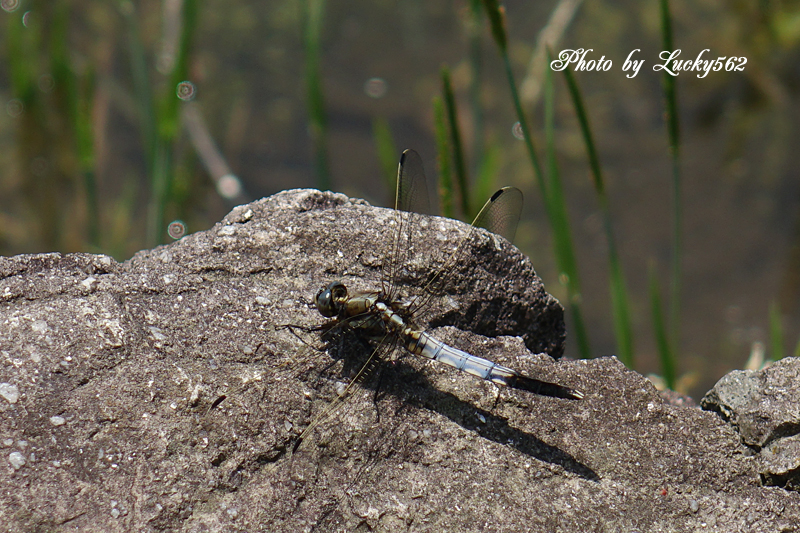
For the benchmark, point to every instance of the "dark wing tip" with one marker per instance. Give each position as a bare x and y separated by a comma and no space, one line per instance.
407,153
543,388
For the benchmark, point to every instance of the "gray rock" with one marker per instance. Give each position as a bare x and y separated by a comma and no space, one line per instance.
161,395
763,407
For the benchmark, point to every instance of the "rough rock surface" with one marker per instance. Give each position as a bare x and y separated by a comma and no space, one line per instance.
764,408
161,394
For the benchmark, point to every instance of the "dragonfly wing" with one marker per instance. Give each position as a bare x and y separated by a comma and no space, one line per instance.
500,214
411,203
412,188
382,349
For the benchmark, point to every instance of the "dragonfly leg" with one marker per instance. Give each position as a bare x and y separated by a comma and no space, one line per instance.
293,327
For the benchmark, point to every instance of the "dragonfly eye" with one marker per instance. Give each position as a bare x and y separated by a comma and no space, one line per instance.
330,299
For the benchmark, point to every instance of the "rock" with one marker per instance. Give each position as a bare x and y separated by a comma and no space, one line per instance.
162,394
763,407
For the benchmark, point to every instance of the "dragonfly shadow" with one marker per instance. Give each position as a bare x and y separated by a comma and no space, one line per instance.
410,386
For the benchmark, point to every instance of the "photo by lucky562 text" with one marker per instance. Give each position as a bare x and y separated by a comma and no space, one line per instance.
669,63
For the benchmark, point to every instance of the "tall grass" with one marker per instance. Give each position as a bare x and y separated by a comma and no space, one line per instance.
673,139
776,351
159,110
620,302
317,121
468,210
46,120
669,347
443,159
387,151
57,126
549,184
662,342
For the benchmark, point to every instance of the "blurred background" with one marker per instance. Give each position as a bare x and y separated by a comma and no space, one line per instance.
121,118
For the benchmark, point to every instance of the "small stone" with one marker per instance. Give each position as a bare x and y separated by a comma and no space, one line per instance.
57,420
9,392
17,460
157,333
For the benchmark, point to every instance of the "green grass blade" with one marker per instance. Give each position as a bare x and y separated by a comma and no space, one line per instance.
169,116
662,341
141,80
565,251
474,36
167,122
64,107
673,132
488,168
76,103
84,141
387,151
22,44
459,166
526,130
443,159
620,301
775,332
34,126
148,119
160,175
497,23
553,201
496,19
318,124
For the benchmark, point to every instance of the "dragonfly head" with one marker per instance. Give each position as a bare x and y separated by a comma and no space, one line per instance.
330,299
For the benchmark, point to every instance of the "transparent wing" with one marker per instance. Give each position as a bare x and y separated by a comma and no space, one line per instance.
411,203
386,346
500,214
412,188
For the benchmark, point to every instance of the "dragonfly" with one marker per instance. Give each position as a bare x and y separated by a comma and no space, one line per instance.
387,319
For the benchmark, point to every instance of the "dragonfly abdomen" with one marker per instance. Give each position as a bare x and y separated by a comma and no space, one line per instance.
420,343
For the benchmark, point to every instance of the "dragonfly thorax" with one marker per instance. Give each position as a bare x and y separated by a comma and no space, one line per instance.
333,301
